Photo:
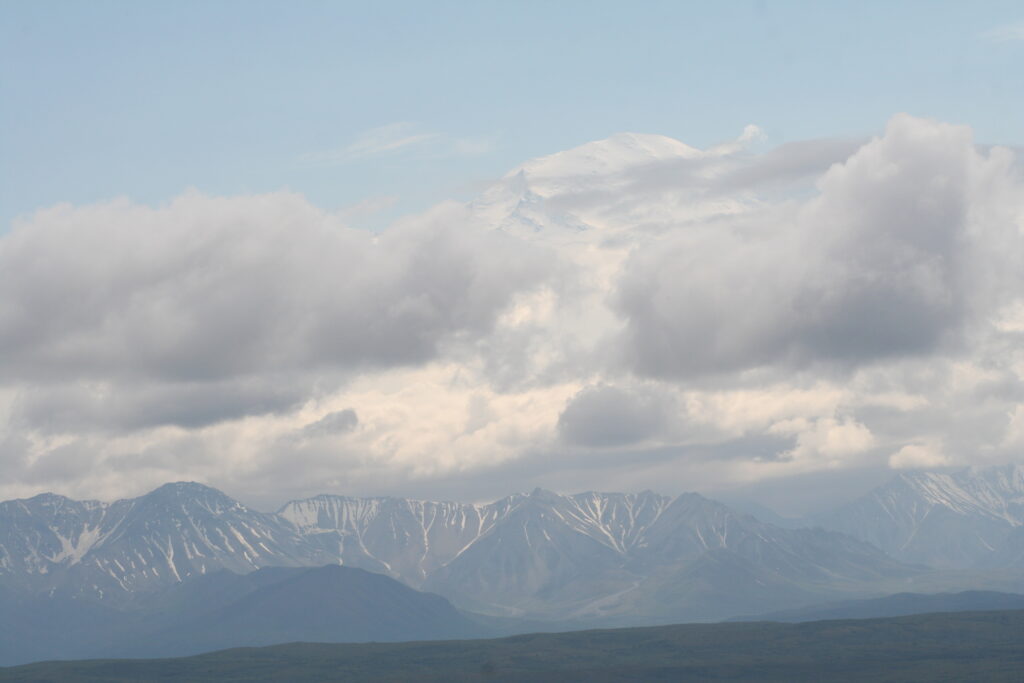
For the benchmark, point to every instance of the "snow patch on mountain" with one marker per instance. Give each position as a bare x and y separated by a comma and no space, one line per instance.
582,167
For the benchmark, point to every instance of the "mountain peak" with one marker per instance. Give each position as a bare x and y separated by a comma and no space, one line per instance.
191,493
957,518
49,499
965,482
544,495
185,489
576,169
540,491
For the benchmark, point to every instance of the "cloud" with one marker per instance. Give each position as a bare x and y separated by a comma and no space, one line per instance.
367,207
919,456
883,263
751,134
1014,436
676,319
398,138
827,439
373,143
332,424
675,188
233,307
603,415
783,165
88,407
386,139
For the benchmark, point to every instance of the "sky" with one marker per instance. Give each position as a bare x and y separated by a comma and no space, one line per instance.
767,251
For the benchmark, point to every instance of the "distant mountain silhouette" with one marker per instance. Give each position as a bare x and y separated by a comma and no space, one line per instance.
329,604
221,610
970,518
898,605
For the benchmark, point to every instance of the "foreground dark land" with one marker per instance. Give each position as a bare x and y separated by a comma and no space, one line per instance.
933,647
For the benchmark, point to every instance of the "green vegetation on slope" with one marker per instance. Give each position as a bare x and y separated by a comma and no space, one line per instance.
934,647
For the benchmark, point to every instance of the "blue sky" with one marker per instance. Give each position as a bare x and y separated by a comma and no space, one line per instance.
143,99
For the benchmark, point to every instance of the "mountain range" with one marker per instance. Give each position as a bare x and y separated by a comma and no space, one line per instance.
537,555
898,605
186,568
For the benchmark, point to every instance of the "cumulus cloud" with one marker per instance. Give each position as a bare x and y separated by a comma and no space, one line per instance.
634,313
883,263
782,166
827,439
242,299
919,456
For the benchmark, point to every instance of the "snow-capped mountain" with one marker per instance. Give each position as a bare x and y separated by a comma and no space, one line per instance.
177,531
408,539
537,554
963,519
608,193
581,555
601,162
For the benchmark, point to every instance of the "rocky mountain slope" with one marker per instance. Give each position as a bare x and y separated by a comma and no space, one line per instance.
971,518
52,543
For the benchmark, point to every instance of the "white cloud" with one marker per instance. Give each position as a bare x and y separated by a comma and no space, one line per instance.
751,134
121,313
928,455
402,137
1014,437
372,143
828,440
887,261
366,207
672,318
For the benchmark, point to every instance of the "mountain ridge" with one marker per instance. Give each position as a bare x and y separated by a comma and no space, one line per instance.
539,554
960,519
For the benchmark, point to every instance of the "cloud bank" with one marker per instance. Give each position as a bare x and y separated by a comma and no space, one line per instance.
697,319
